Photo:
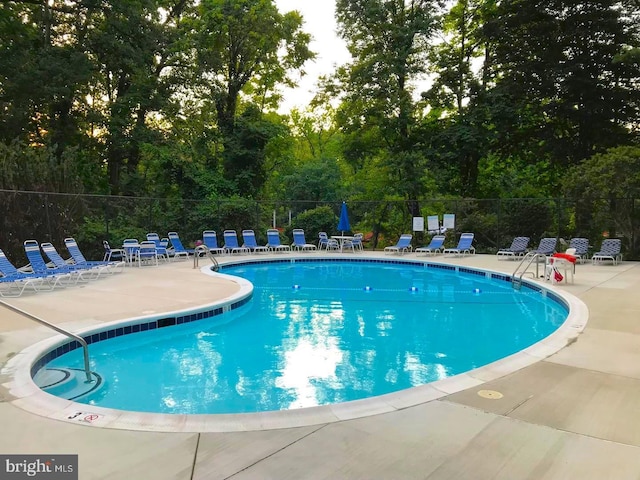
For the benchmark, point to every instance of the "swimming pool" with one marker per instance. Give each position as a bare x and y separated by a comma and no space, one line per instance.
318,333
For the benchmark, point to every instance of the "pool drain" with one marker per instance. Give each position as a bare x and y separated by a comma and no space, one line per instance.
490,394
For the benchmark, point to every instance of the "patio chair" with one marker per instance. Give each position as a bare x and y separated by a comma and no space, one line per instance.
210,240
116,254
161,249
581,245
178,248
13,282
231,244
357,242
249,242
78,258
326,243
273,241
130,247
464,246
403,245
300,243
147,253
517,249
436,245
609,251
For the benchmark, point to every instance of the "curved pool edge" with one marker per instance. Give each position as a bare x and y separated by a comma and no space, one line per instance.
29,397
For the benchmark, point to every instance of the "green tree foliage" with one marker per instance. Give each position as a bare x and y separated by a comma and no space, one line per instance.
388,40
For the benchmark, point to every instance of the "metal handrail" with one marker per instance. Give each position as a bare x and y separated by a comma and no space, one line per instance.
203,249
80,340
531,256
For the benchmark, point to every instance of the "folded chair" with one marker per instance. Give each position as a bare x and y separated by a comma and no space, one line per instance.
464,246
518,248
249,242
436,245
299,242
609,251
210,240
273,241
403,245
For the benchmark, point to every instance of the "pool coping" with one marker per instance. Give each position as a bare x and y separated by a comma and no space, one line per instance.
29,397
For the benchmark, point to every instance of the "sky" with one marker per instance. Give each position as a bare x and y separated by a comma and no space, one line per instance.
319,22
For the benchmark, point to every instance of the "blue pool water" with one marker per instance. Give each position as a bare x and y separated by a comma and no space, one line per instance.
317,333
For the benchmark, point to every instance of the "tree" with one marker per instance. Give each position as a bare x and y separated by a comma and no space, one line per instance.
241,46
388,40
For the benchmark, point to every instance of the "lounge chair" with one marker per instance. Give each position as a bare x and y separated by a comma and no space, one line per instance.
14,282
517,249
83,272
403,245
273,241
299,242
231,245
581,245
609,250
249,242
436,245
79,259
178,248
210,240
464,246
58,275
546,247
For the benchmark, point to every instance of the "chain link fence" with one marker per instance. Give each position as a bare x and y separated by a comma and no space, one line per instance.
90,219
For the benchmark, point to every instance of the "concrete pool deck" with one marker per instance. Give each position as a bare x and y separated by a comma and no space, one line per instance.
575,414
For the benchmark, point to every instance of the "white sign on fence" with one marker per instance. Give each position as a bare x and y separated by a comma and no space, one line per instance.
418,224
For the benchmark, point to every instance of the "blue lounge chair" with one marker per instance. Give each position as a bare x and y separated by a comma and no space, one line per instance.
249,242
110,266
464,246
436,245
547,247
299,242
231,244
609,251
13,282
178,248
83,272
403,245
581,245
273,241
58,275
210,240
518,248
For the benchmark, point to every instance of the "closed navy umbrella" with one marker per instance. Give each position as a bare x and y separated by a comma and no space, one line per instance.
343,224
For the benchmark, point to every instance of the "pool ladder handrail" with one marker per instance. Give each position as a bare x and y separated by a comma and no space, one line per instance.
518,273
201,250
80,340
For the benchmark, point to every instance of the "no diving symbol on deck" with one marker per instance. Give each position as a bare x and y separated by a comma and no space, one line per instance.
85,417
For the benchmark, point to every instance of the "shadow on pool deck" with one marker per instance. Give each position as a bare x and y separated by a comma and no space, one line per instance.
573,415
